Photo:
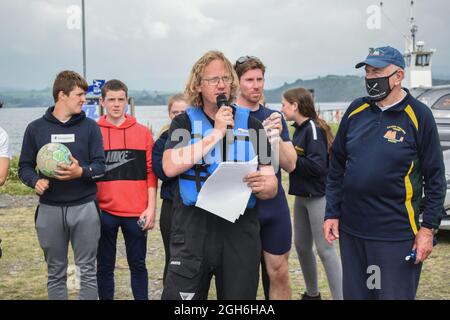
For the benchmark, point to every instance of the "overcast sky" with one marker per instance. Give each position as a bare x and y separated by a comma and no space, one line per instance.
153,44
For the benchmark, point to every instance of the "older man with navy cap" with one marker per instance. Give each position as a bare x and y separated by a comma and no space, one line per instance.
385,156
384,73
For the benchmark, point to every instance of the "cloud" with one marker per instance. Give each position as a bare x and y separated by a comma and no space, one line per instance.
153,44
158,30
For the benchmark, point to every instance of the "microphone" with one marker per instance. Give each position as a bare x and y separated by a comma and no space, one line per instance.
222,100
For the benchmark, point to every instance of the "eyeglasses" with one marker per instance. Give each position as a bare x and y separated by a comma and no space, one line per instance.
215,81
244,59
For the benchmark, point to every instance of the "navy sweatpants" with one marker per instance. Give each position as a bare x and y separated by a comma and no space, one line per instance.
136,248
377,270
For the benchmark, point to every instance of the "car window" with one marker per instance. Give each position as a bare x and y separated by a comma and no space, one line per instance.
443,103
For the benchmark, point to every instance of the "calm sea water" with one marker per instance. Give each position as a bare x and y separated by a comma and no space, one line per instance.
15,120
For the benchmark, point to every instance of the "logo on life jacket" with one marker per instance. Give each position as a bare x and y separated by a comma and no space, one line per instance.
187,295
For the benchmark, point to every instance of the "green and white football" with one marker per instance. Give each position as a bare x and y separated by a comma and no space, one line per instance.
50,155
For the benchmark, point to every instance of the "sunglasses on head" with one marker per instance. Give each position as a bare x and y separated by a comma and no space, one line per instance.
244,59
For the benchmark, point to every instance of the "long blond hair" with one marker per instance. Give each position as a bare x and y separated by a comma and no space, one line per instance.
193,96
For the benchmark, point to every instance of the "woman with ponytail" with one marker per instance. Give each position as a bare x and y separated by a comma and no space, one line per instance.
312,141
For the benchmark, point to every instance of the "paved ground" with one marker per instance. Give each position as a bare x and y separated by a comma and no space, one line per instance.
8,201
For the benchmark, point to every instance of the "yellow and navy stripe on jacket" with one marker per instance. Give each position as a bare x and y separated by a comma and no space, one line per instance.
380,163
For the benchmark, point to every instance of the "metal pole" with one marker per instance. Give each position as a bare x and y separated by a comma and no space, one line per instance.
84,39
414,27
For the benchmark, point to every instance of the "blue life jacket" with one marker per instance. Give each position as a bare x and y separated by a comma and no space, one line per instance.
241,149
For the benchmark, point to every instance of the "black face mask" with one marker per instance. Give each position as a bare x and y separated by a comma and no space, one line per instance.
378,88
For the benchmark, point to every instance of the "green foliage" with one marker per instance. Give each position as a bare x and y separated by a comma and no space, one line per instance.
13,185
334,127
13,174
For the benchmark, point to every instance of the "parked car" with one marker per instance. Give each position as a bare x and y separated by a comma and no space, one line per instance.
438,99
445,222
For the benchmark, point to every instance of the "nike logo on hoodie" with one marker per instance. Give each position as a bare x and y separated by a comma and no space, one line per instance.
116,159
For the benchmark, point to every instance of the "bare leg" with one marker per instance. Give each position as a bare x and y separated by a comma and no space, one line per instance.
278,271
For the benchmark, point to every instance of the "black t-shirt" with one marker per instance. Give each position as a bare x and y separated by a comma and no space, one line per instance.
260,142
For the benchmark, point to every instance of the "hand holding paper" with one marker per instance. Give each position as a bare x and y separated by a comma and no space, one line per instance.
225,193
255,181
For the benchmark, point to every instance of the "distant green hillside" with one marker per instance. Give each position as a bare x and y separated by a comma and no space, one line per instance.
326,89
439,82
331,88
44,98
146,98
26,98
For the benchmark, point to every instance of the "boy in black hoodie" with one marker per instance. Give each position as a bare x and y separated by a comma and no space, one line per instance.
67,209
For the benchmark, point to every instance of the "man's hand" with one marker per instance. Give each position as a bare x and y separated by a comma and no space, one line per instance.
423,244
149,215
331,230
223,118
264,183
41,186
273,127
71,172
256,181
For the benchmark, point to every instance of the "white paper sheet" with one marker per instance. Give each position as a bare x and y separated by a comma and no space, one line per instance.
225,193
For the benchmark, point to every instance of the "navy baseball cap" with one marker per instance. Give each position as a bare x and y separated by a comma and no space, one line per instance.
382,57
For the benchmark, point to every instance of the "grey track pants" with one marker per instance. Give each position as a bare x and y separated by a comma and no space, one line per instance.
308,230
80,225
